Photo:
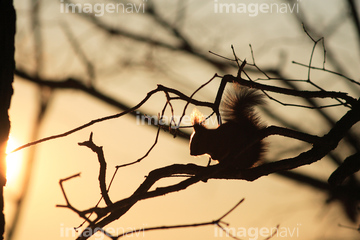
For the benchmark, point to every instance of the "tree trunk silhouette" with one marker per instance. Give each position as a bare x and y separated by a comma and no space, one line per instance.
7,66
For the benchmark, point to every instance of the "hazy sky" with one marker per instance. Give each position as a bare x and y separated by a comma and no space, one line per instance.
128,70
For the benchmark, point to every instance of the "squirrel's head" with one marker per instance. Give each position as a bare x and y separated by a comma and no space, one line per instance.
197,137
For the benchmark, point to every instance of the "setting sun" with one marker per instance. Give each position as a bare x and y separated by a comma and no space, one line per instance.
13,162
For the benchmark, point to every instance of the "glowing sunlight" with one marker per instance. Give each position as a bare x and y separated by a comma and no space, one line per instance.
13,162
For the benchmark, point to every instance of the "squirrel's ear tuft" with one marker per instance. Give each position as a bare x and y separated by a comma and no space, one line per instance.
197,118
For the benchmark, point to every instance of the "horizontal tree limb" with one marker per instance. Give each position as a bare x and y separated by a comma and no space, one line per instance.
292,92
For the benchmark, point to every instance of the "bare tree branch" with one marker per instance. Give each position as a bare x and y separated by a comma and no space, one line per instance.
303,94
102,174
322,146
350,166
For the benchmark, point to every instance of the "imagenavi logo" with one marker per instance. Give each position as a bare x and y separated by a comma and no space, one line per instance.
254,9
99,8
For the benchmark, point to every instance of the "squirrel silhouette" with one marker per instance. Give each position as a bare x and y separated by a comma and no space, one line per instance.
227,142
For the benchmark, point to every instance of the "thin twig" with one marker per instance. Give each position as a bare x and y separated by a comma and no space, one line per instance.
191,96
148,95
291,92
102,172
182,225
329,71
232,209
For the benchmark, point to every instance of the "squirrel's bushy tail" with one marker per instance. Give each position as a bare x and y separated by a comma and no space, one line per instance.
238,105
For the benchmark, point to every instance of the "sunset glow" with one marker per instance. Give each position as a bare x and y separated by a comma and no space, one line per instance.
13,162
